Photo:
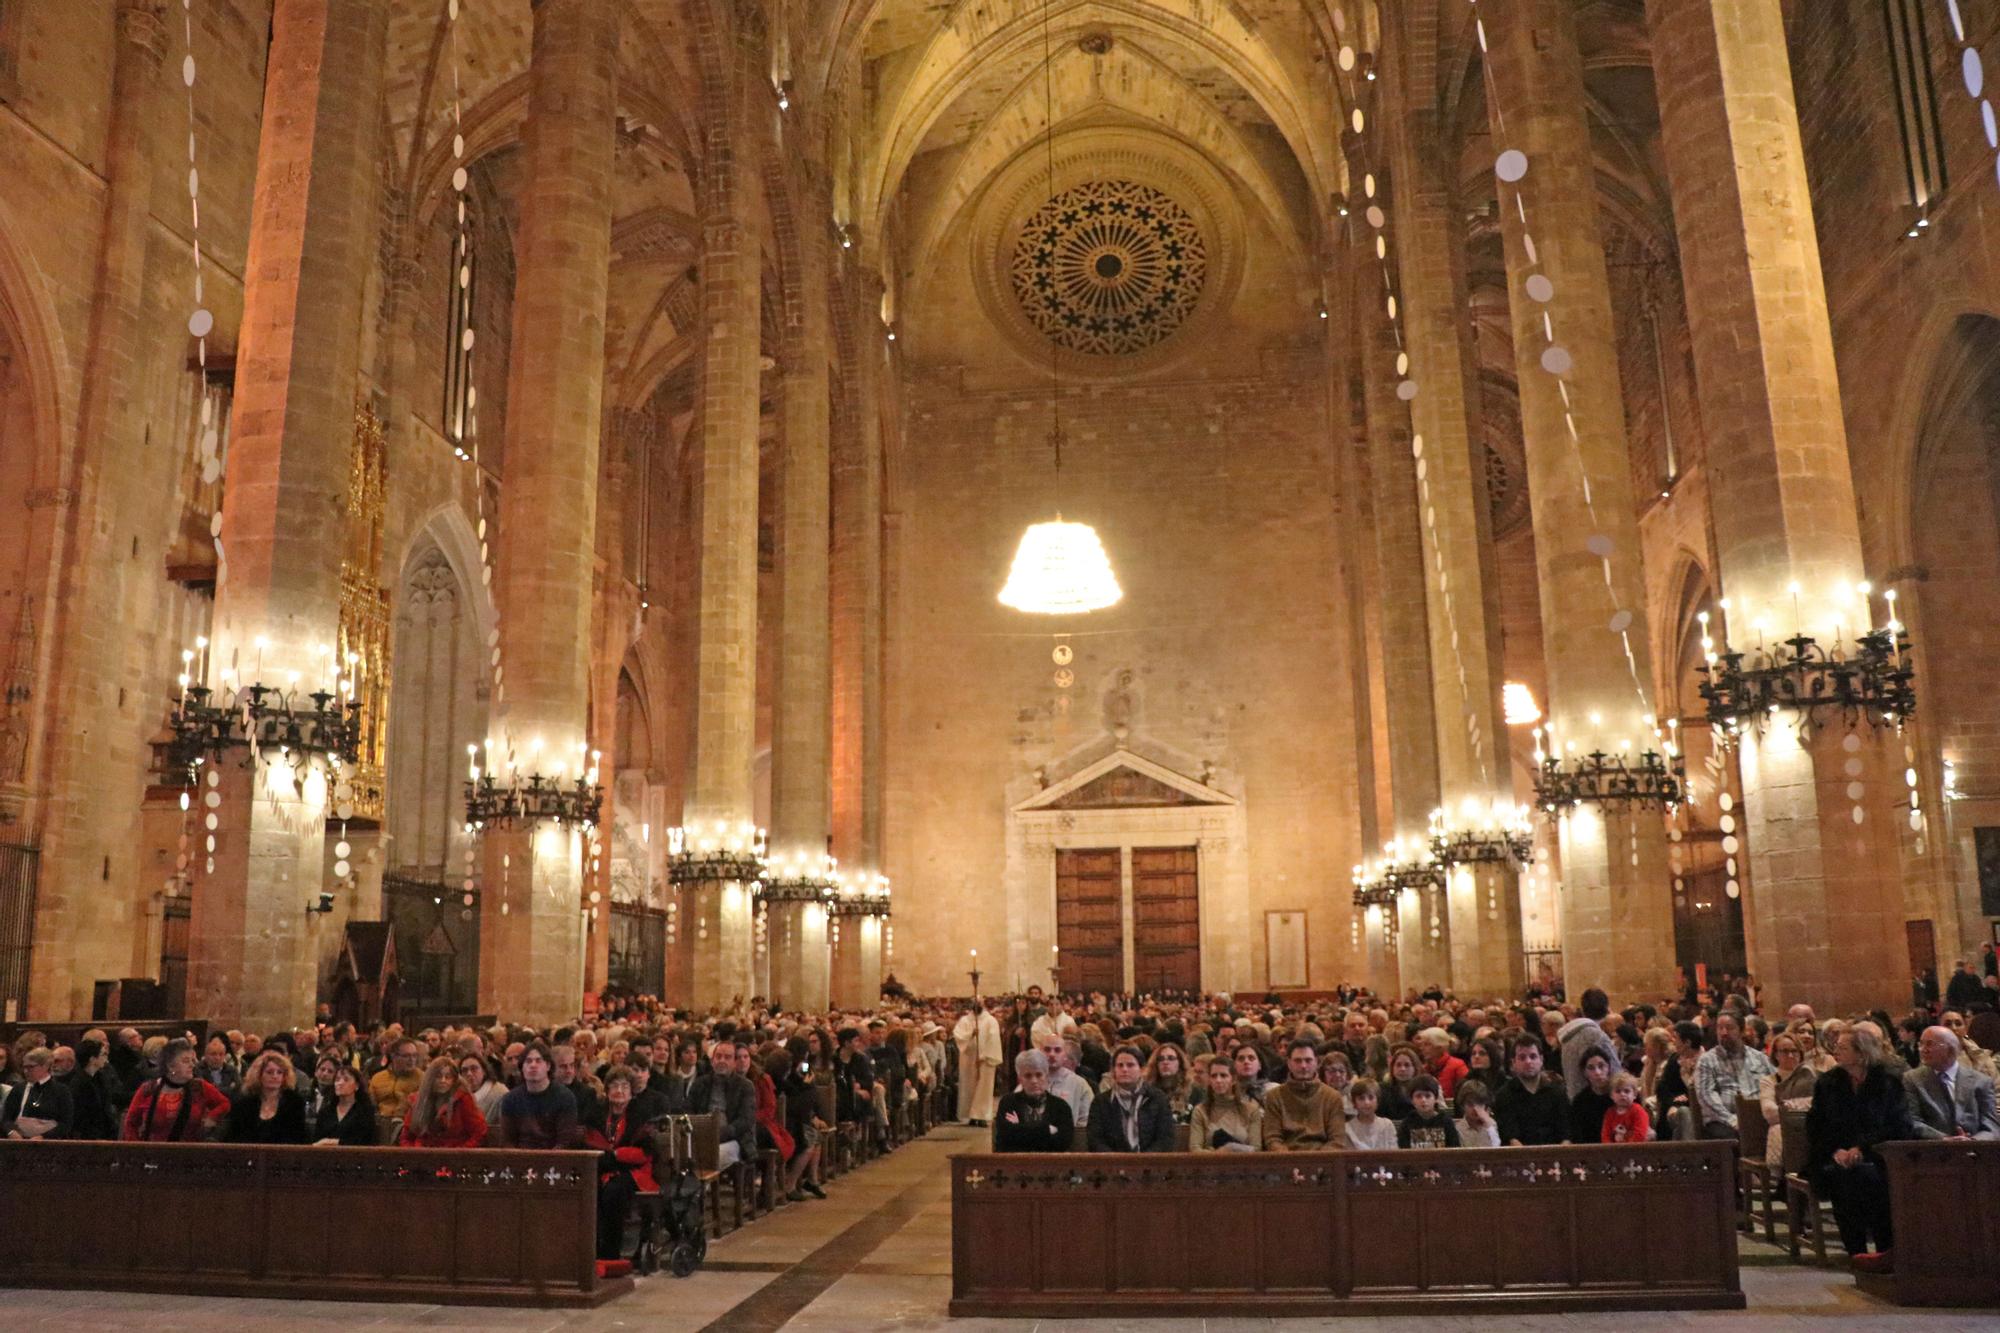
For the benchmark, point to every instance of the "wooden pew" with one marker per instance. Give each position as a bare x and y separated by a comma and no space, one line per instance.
1522,1230
1944,1198
464,1227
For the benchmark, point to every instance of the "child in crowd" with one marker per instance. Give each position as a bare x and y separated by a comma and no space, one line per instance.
1426,1126
1476,1125
1368,1131
1626,1121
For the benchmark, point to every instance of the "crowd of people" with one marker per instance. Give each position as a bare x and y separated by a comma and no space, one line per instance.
608,1084
1049,1073
1357,1071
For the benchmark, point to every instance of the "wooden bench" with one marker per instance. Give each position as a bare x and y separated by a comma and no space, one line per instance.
1521,1230
1944,1198
459,1227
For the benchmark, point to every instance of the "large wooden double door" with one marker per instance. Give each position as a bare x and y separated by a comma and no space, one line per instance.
1166,919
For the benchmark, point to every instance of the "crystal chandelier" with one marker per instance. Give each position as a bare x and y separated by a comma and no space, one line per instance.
1060,568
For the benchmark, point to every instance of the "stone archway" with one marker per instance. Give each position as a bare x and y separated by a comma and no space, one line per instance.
1127,803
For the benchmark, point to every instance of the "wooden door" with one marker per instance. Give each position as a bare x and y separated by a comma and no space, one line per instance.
1921,939
1166,919
1090,920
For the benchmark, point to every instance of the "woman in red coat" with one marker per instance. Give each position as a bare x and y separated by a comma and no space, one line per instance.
443,1114
176,1107
626,1168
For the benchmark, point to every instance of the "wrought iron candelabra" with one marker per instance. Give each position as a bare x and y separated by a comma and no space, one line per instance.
1874,683
488,802
1598,778
205,724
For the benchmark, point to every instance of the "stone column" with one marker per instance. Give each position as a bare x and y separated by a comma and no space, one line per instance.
277,607
1483,900
532,937
857,592
1617,908
857,962
82,930
1410,720
720,803
1825,898
802,725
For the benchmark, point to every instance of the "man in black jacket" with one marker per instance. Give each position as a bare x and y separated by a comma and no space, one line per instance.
888,1064
1031,1118
39,1108
728,1094
853,1080
1530,1108
1134,1116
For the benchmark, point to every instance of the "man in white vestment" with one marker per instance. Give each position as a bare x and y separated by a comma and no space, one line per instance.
977,1035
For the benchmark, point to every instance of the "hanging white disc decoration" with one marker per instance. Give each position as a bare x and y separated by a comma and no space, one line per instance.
1557,360
1599,545
200,323
1511,165
1621,620
1540,288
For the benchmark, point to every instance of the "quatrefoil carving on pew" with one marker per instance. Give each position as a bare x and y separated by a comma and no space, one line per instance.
974,1180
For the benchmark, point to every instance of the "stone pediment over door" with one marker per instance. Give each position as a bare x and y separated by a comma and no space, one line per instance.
1125,781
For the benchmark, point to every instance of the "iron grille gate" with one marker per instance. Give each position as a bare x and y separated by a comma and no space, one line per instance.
19,868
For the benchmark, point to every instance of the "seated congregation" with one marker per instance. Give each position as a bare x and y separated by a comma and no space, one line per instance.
1364,1074
761,1112
790,1098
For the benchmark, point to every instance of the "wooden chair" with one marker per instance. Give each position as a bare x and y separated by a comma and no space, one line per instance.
837,1144
771,1171
387,1132
715,1181
1756,1180
1803,1206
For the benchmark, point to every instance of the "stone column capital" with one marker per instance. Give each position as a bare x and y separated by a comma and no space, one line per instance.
144,25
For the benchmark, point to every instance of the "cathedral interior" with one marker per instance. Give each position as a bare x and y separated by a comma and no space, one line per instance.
503,498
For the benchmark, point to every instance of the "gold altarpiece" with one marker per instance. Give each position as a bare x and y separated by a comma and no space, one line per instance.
364,606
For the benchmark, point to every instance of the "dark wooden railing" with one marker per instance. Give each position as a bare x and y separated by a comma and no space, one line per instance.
391,1224
1436,1231
1944,1197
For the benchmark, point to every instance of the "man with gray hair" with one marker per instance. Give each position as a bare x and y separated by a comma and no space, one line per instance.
1061,1055
1030,1119
1949,1099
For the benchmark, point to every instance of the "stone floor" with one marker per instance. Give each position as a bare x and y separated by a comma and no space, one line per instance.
877,1254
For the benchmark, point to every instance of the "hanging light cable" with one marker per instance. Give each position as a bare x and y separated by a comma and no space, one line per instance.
1060,568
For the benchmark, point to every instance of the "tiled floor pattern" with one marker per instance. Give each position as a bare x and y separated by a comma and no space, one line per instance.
877,1255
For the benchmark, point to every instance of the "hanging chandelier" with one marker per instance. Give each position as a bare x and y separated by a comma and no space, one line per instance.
1060,568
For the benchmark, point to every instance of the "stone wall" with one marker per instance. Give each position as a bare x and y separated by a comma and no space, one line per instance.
1215,501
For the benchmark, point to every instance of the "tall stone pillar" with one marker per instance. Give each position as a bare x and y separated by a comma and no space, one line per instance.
532,936
802,725
1483,899
92,815
720,802
857,961
857,590
1617,908
277,608
1410,720
1825,897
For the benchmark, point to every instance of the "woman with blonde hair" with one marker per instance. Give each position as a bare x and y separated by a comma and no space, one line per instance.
442,1113
267,1109
1659,1054
1811,1054
1789,1089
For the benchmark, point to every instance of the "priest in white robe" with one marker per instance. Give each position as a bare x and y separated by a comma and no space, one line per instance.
977,1035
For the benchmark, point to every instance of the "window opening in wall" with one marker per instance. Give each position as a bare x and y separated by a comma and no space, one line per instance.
463,282
1916,105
